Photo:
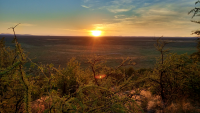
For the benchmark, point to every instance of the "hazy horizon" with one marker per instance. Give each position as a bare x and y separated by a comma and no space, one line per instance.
2,34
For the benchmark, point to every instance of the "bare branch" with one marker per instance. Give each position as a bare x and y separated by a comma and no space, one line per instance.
14,27
196,32
197,2
154,80
195,10
195,21
126,62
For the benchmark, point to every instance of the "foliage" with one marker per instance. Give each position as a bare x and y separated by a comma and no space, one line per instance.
196,56
14,86
175,78
180,78
195,12
70,89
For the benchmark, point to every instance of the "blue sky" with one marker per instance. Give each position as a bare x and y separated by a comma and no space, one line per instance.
112,17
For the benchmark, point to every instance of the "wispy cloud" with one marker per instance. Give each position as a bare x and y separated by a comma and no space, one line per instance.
118,10
70,29
21,24
27,25
119,16
85,6
118,6
86,1
161,18
114,6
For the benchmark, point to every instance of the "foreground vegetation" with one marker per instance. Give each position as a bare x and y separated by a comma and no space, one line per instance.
171,86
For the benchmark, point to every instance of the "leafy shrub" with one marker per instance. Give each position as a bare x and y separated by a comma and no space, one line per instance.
179,80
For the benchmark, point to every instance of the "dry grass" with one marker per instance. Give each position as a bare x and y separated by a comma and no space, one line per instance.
153,104
39,105
182,107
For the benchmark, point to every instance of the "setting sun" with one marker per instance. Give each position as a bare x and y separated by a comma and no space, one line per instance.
96,33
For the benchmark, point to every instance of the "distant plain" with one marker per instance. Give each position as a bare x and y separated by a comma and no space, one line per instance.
60,49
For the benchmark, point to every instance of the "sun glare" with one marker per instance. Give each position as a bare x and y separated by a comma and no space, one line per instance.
96,33
100,76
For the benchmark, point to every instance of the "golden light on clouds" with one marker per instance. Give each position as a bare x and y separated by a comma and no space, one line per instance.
96,32
105,17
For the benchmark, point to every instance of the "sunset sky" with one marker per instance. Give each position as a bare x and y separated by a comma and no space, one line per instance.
112,17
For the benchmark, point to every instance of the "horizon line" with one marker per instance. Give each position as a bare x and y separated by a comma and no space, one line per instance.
93,36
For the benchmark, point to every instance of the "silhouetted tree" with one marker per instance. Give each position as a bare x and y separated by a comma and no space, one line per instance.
195,12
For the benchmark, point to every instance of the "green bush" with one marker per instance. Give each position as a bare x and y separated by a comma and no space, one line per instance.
180,78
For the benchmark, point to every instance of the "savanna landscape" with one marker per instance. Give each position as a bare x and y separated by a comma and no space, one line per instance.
99,74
